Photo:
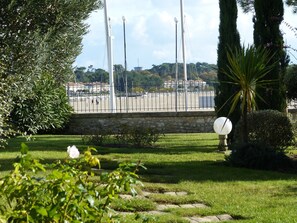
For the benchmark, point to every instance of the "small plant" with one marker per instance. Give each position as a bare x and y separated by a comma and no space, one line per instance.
67,191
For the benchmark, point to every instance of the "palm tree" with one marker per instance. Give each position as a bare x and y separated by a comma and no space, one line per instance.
247,69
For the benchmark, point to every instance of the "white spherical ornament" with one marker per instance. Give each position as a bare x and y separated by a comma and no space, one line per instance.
222,126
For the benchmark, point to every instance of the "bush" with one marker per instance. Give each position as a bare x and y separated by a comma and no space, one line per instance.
259,156
267,127
68,191
124,135
45,108
143,136
101,136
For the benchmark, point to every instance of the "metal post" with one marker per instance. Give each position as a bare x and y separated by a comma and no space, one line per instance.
184,54
110,59
176,65
125,59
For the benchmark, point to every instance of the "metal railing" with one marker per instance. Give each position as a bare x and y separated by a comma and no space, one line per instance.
95,98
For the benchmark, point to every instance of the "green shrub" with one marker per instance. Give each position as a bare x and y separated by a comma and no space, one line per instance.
144,136
101,136
259,156
6,129
294,128
124,135
290,81
67,191
45,108
268,127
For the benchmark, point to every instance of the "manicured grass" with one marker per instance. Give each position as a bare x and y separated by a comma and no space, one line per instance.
190,163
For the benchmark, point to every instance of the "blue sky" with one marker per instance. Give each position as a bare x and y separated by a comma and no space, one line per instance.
150,32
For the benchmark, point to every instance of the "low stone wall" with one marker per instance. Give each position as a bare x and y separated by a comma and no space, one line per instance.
169,122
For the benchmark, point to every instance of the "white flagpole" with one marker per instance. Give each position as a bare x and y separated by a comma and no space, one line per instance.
184,53
176,65
110,59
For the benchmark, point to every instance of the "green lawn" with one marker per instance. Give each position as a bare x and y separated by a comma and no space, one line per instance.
185,162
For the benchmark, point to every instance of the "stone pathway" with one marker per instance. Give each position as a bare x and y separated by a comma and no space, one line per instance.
223,217
160,209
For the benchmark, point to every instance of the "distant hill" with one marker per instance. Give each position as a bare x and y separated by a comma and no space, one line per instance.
158,73
204,71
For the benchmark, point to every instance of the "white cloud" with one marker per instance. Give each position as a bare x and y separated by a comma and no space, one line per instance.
150,32
139,32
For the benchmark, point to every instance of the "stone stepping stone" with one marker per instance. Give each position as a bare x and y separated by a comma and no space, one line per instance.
195,205
219,218
162,207
126,196
146,193
203,219
225,217
153,212
171,193
142,212
181,193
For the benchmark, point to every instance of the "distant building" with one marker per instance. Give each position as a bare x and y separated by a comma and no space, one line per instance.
190,83
138,68
94,87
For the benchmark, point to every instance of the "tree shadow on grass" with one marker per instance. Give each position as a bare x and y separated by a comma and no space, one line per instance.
217,171
175,172
44,143
159,150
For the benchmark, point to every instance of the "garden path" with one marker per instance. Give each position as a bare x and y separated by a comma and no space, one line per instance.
161,208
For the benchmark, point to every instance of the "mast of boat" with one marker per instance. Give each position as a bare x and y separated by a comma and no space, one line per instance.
184,54
176,65
110,59
125,62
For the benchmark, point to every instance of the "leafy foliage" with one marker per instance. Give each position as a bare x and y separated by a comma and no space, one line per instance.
47,108
246,70
228,36
270,133
38,38
259,156
124,135
139,136
82,74
268,127
6,130
246,5
267,34
154,76
68,192
291,82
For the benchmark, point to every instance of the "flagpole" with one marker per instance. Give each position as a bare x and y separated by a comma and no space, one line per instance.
125,61
110,59
184,54
176,65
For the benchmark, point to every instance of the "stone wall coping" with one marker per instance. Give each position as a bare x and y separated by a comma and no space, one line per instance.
145,114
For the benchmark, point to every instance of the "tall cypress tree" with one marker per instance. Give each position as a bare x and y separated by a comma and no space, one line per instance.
228,37
267,20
